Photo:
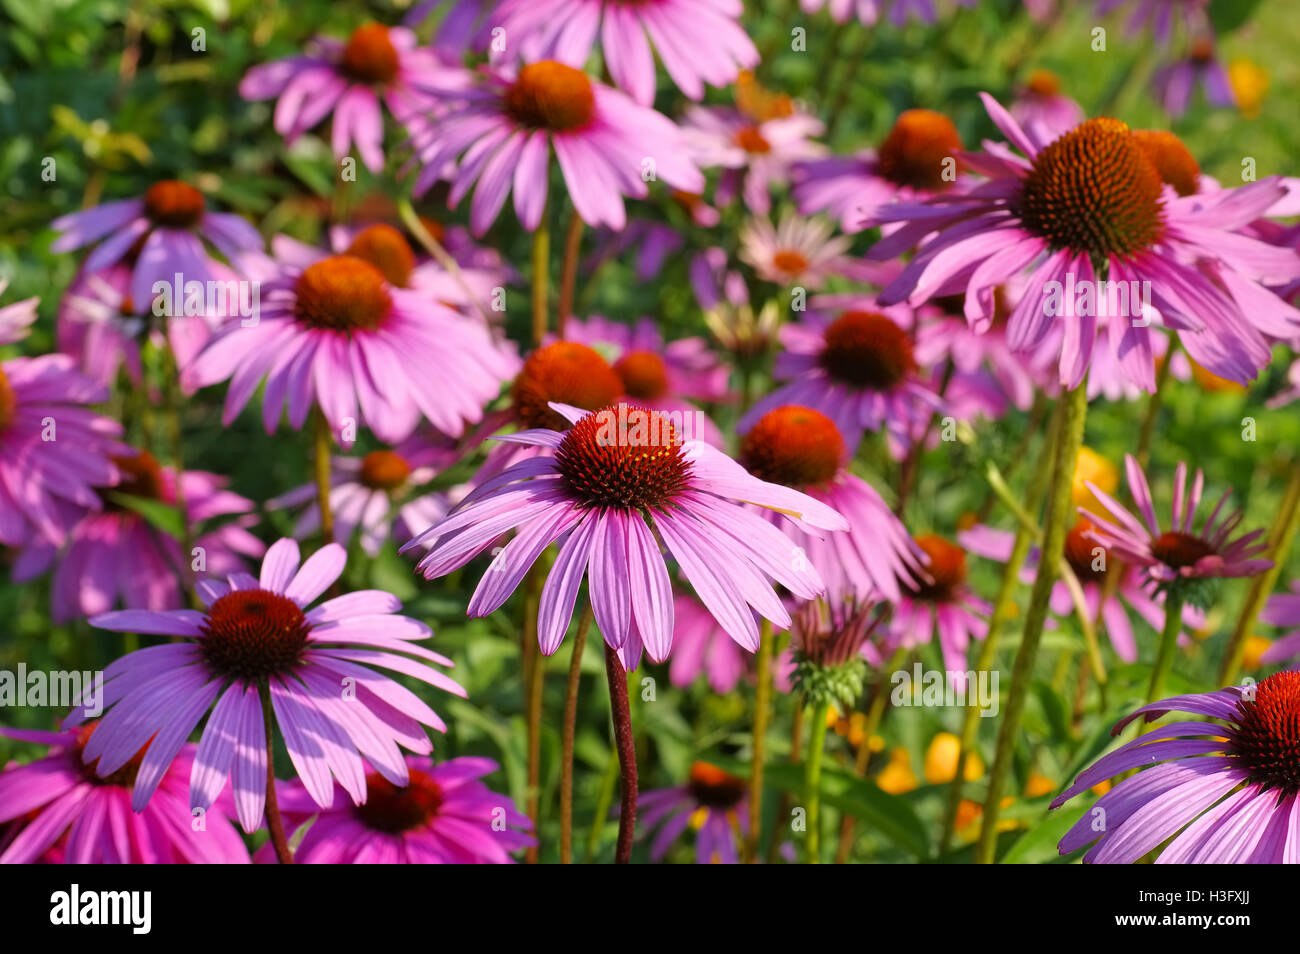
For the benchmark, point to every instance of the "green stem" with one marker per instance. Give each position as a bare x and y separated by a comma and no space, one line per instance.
566,742
1168,642
813,780
541,278
569,271
323,441
1153,404
762,712
1058,524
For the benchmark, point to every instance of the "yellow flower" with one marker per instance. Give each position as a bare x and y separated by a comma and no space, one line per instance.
1212,383
941,760
1255,647
897,777
1038,785
1091,466
1102,787
1249,84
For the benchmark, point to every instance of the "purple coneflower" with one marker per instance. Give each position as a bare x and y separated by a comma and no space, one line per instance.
609,473
1043,109
349,78
503,131
868,11
801,448
338,334
941,604
796,251
1175,83
115,556
57,809
1219,792
1158,15
699,41
1092,205
443,815
713,802
162,233
254,644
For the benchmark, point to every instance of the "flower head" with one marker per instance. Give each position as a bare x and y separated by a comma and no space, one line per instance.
713,802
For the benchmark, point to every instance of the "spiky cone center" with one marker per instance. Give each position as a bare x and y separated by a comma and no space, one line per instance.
789,263
793,445
920,152
644,375
625,458
1267,737
946,566
1173,160
750,138
1089,565
567,373
174,205
384,470
867,350
552,96
139,475
370,56
252,635
124,777
1043,83
396,809
387,249
8,401
1180,550
1094,191
714,788
342,293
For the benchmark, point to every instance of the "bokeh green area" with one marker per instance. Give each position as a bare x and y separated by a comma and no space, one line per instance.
117,95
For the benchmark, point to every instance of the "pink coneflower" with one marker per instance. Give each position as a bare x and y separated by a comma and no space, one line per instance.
1283,609
868,12
1180,553
16,319
505,128
796,251
372,494
338,334
53,450
1225,791
116,557
1043,109
713,802
460,29
162,232
941,604
699,41
858,368
1091,205
801,448
349,79
1175,83
756,145
610,471
102,326
1090,562
57,809
315,665
701,645
918,158
443,815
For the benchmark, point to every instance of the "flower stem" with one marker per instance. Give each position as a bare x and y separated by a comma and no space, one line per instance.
422,235
566,742
534,670
1153,405
620,711
274,823
569,271
541,278
762,712
323,440
1058,523
1279,547
1168,641
812,780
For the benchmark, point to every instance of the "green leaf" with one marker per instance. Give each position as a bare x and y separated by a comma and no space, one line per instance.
1039,843
1227,15
159,515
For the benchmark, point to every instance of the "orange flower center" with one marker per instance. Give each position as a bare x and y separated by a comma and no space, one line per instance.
8,401
138,476
714,788
623,457
1043,83
1173,160
253,634
947,567
793,445
552,96
342,293
394,810
644,375
174,205
385,248
1179,550
1079,553
867,350
123,777
789,261
1094,191
567,373
917,150
1268,737
384,470
751,140
370,56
